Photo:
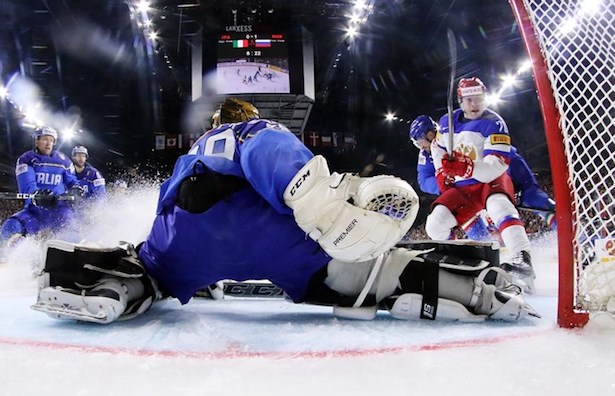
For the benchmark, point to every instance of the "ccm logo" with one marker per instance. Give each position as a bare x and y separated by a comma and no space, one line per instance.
299,182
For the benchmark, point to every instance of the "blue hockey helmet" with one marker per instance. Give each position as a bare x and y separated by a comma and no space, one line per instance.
79,150
45,131
420,126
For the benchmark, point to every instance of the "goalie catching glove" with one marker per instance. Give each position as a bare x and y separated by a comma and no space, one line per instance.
352,218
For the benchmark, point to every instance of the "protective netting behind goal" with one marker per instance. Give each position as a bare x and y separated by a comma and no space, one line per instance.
577,41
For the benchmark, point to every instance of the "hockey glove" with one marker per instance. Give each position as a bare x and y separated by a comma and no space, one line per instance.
445,181
77,191
44,199
460,165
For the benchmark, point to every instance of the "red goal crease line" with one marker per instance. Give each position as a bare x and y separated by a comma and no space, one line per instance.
235,352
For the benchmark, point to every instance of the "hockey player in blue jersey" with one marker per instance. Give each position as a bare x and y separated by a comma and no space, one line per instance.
89,177
476,177
47,174
423,131
250,201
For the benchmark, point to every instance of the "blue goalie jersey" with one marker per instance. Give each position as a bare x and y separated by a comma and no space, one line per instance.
250,235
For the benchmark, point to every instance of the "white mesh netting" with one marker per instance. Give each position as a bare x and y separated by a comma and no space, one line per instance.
577,41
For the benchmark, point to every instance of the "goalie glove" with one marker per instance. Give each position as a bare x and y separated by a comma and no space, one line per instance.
352,218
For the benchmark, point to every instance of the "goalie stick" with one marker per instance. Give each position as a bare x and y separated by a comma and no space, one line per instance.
247,289
452,47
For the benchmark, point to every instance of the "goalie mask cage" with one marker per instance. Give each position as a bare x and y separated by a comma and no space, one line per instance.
570,43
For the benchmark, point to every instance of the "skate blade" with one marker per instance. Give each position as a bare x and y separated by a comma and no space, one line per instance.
64,313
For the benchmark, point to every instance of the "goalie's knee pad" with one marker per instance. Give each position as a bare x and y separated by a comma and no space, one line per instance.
352,218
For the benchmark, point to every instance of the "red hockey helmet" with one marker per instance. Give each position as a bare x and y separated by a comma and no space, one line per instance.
470,86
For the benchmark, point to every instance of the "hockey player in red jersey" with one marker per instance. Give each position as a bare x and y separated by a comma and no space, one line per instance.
475,178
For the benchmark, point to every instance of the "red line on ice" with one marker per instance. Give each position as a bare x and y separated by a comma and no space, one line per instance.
232,353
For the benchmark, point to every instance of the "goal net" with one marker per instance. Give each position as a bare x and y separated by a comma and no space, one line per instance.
571,45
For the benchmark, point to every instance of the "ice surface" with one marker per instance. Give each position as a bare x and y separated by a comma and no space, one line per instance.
271,346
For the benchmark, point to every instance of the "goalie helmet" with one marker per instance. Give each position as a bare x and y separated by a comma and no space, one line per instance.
420,126
79,150
237,110
45,131
470,87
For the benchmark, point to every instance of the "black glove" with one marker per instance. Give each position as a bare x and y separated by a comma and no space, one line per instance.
44,198
77,191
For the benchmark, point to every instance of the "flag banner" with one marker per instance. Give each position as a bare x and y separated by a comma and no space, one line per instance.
160,142
240,43
171,141
263,43
313,139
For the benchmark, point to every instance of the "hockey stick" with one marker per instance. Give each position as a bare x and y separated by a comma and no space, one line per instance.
535,210
23,196
245,289
452,48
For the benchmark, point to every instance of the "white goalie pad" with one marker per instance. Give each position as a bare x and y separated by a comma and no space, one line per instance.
352,218
408,307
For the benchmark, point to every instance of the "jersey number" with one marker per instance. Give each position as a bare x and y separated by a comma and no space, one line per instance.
219,145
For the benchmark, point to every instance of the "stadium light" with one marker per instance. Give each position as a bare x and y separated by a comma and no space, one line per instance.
525,66
143,6
68,134
568,26
591,7
390,117
3,92
351,32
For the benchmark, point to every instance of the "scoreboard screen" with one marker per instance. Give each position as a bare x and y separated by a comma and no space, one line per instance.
252,63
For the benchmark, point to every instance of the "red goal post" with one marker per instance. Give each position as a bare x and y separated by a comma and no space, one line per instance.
570,44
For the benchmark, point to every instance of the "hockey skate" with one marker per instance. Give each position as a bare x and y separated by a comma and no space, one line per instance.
509,305
99,305
520,267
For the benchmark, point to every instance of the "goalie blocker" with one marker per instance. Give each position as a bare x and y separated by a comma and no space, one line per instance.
439,281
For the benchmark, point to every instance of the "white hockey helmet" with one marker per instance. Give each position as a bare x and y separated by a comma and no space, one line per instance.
45,131
79,150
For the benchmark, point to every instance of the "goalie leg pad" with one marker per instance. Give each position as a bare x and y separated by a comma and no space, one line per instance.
77,279
488,293
352,218
69,264
409,306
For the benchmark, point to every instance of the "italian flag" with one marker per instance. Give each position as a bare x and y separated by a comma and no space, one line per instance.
240,43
